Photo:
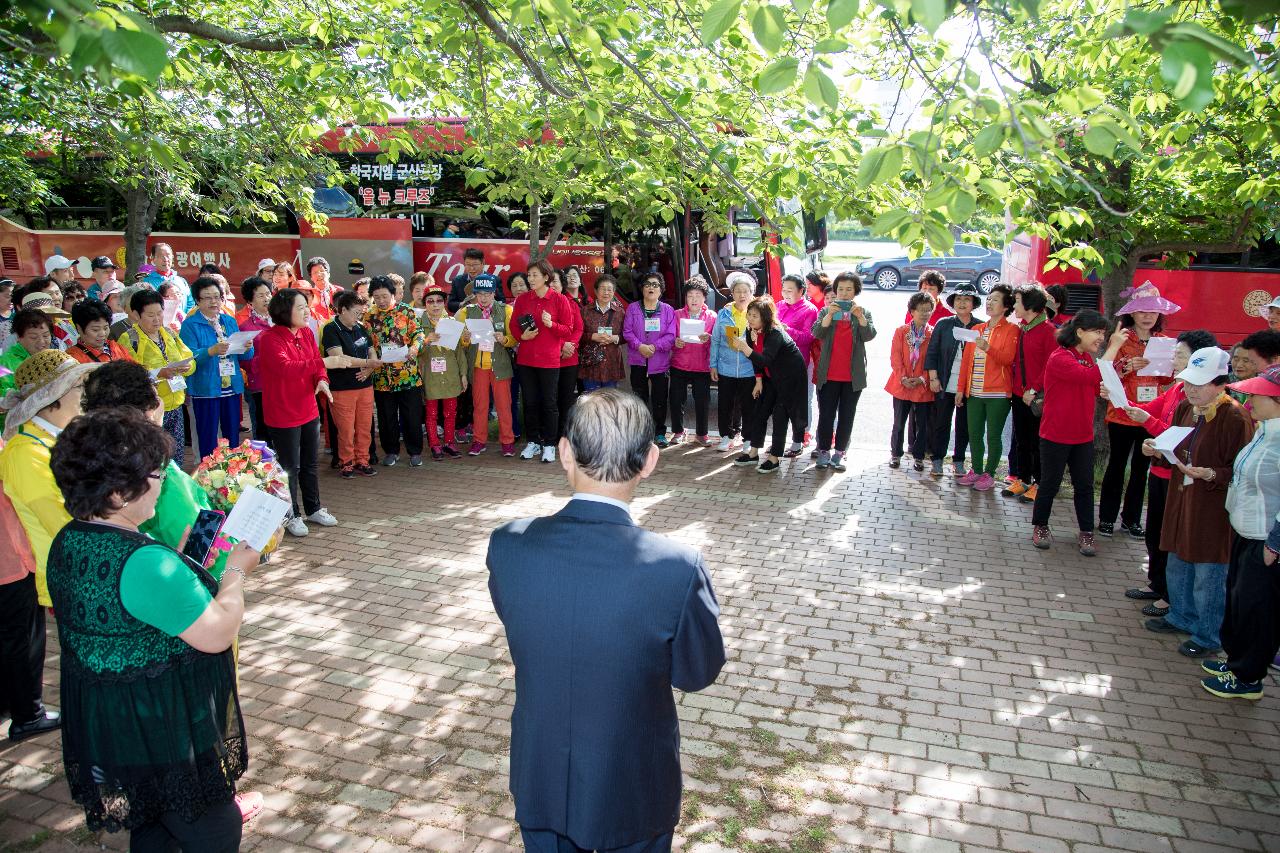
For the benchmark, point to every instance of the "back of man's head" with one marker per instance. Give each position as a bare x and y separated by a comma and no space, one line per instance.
610,433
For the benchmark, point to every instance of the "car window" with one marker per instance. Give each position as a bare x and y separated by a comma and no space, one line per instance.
966,251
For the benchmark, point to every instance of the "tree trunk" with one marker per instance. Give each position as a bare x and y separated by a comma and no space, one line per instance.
535,232
1119,279
142,211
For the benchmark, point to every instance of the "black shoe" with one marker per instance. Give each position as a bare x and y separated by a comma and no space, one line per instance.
768,466
1162,626
918,465
1107,528
348,473
1142,595
1135,530
745,459
1191,650
895,462
47,722
1155,610
366,471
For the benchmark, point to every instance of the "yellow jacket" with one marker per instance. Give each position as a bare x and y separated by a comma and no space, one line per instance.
28,481
146,353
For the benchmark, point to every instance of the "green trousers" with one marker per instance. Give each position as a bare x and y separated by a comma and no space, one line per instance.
986,416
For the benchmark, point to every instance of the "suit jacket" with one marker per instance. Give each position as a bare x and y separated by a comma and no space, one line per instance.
602,618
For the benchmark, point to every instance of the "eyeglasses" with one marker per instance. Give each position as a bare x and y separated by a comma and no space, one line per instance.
159,476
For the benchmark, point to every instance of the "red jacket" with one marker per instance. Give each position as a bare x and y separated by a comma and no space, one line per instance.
575,333
1161,410
1034,348
289,366
543,350
902,367
1071,380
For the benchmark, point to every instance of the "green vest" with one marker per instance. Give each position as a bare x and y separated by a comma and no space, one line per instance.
501,356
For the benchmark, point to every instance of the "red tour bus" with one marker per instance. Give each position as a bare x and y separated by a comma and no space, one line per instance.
1223,293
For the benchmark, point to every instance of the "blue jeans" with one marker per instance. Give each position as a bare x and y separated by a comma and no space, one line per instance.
1197,599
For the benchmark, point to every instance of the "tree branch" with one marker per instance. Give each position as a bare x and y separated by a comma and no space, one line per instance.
482,13
222,35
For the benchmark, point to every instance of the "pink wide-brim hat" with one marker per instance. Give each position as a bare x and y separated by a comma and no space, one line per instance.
1266,383
1147,298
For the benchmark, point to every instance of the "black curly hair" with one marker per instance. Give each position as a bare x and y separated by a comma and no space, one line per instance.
94,483
120,383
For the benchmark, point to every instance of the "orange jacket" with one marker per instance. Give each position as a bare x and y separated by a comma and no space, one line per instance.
1151,385
903,367
1002,349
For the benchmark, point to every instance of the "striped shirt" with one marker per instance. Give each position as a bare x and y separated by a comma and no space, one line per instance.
1253,499
978,382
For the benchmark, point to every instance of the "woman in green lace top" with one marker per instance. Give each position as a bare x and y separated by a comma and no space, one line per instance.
152,740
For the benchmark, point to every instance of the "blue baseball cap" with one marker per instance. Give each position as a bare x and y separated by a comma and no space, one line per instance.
485,283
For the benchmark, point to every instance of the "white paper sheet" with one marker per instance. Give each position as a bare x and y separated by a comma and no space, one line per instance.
964,335
115,318
450,332
1159,352
691,331
171,309
394,355
1167,442
481,330
1111,381
239,342
180,365
255,518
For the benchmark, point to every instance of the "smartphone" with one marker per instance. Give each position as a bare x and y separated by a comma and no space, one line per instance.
204,532
527,323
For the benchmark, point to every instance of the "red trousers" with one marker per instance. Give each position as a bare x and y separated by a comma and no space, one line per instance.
450,407
482,382
352,413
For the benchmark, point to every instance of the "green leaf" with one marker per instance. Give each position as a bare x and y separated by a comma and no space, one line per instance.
143,53
716,21
840,13
879,164
1100,141
939,236
1187,69
778,76
929,13
820,89
994,187
961,206
988,140
365,50
1145,23
831,46
769,26
801,6
593,111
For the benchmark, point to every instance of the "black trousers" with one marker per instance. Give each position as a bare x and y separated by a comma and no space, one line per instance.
462,417
400,413
218,830
1026,433
22,638
1015,455
298,449
837,406
944,412
566,392
734,392
652,388
541,388
909,417
1126,454
783,406
1055,458
260,430
1251,623
1157,494
680,382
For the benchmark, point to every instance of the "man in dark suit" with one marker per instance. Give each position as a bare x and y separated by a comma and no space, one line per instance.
602,618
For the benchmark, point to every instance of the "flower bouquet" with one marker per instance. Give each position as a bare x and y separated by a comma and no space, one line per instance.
228,472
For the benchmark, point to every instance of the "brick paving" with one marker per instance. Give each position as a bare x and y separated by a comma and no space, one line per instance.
905,673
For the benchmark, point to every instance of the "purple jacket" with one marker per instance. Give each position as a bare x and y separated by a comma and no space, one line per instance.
798,320
663,340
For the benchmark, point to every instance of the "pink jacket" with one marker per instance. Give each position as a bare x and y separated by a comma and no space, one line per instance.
693,358
798,319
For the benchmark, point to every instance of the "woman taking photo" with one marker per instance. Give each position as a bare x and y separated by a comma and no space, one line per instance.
158,350
650,331
544,320
908,384
601,362
253,317
985,385
733,372
293,375
1142,318
1071,380
216,385
779,388
93,323
145,637
843,329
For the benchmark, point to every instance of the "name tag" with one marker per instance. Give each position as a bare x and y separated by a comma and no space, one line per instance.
1146,393
653,324
438,365
362,341
605,330
226,368
486,346
177,383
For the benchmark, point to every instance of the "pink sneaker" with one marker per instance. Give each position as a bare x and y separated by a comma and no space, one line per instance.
985,483
968,479
508,450
477,447
705,441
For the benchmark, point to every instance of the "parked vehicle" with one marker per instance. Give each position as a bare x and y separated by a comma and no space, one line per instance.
968,265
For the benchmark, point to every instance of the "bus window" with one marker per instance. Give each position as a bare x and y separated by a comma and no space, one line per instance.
1264,256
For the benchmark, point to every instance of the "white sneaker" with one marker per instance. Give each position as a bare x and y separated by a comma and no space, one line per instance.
323,517
296,526
723,446
530,450
548,454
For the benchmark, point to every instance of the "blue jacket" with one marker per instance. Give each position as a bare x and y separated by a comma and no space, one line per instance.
602,618
199,335
725,360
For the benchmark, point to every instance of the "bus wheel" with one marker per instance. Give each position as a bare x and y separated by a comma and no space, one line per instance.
988,280
888,279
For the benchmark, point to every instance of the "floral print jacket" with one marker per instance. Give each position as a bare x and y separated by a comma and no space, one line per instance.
397,326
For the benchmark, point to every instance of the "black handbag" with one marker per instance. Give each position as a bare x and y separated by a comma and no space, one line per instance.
1037,402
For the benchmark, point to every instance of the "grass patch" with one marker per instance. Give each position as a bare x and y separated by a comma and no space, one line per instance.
765,738
28,844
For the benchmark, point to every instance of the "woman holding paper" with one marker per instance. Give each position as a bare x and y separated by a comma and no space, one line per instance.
216,385
985,387
908,384
691,360
732,372
444,372
145,637
1142,319
293,375
650,329
253,317
168,359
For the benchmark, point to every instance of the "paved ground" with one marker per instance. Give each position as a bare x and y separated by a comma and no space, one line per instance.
906,673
